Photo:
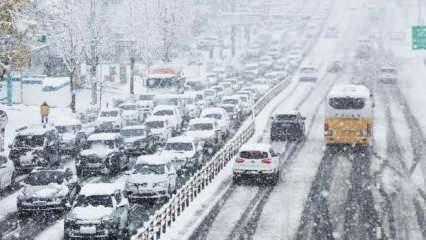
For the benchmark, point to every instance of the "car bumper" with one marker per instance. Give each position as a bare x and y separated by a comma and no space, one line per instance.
48,206
140,195
251,172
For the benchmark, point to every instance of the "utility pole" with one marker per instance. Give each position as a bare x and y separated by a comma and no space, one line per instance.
133,51
94,60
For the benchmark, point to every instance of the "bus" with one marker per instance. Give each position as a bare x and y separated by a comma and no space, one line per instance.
348,116
164,79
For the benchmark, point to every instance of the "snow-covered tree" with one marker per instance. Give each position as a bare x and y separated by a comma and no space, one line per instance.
15,26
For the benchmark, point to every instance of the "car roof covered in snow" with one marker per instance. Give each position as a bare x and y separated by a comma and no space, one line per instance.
201,120
179,139
110,110
213,110
263,147
286,112
133,127
155,119
349,90
98,189
103,136
236,97
153,159
164,107
35,130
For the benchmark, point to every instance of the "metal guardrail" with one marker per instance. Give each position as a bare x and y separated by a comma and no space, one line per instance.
167,214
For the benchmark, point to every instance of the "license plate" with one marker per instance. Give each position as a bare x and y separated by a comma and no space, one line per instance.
93,165
252,172
88,229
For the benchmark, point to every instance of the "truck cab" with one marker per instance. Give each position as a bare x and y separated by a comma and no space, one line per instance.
288,126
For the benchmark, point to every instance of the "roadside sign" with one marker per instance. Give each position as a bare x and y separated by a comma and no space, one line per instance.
418,37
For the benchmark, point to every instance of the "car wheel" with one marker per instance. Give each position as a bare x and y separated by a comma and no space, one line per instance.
13,181
236,180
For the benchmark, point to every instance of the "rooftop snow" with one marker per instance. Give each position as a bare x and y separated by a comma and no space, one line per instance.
102,136
153,159
93,189
349,90
256,147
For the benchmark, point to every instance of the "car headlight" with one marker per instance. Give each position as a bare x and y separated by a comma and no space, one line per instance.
163,184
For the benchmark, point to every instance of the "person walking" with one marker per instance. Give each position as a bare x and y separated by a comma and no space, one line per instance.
44,112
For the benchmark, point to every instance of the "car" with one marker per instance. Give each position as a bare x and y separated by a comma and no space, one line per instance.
159,129
308,74
221,116
109,120
47,190
388,75
193,83
265,63
207,133
35,146
145,102
184,152
152,177
335,66
251,71
130,114
288,126
103,153
172,115
234,110
219,91
138,141
256,160
7,172
71,136
89,115
210,96
227,88
100,211
190,106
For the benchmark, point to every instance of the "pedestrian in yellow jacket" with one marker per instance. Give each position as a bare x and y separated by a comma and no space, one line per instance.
44,112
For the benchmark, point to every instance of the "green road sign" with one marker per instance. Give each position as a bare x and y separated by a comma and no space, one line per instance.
418,37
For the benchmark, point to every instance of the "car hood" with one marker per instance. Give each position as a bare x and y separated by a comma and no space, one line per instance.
107,119
101,152
145,103
177,154
200,135
134,139
129,113
91,212
149,178
45,191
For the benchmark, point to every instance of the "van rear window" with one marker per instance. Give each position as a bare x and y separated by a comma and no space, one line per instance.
253,154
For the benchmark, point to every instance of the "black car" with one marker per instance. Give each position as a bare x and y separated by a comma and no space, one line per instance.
288,126
71,137
103,153
48,190
138,141
35,147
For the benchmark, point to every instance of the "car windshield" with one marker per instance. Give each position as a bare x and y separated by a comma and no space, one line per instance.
100,144
3,160
94,201
167,101
146,97
44,178
286,117
201,127
29,141
161,82
128,107
68,129
163,113
154,124
132,132
253,154
347,103
147,169
388,70
213,115
179,146
230,101
109,114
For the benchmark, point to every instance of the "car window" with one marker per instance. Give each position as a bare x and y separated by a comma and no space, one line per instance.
29,141
201,127
45,178
213,115
148,169
164,113
109,114
179,146
94,201
253,154
3,160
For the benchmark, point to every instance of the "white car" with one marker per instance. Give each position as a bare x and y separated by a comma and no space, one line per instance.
210,96
159,129
146,103
7,172
190,107
257,160
184,152
109,120
220,115
251,71
266,62
130,113
207,133
388,75
152,177
171,114
308,74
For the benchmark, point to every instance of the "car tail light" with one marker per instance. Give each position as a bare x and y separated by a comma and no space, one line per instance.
326,127
239,160
267,160
327,131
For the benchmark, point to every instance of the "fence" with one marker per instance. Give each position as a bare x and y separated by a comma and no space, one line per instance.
167,214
